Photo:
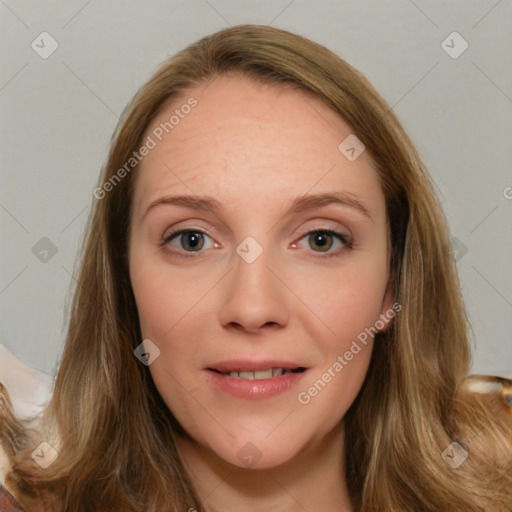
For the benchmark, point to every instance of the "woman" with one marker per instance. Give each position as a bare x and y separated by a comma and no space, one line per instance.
268,314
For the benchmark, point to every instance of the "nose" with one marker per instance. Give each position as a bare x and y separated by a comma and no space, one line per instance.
254,297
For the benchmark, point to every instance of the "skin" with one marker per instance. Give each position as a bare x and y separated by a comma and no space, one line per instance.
255,147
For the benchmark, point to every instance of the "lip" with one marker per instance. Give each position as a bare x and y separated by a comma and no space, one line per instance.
246,365
258,389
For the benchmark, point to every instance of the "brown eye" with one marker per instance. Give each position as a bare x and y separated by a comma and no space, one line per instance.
189,240
192,239
321,240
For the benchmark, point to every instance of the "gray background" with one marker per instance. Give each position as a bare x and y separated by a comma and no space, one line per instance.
58,115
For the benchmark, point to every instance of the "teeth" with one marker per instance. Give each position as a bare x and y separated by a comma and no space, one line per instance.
260,374
264,374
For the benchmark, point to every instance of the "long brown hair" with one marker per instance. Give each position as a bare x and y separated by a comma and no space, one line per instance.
114,435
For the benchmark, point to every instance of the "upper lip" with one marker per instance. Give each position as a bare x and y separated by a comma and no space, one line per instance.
248,365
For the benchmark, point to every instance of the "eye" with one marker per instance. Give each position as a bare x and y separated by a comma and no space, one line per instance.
194,240
190,240
325,239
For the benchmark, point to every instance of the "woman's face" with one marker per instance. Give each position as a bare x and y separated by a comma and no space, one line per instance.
257,281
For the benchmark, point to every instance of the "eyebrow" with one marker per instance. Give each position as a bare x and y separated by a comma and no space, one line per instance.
298,204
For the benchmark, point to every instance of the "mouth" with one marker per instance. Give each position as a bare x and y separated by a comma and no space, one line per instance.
255,379
259,374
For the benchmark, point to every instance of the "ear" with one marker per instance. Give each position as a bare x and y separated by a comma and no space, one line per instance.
388,310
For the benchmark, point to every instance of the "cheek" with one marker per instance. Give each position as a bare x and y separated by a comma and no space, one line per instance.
344,301
349,309
165,304
348,301
163,297
171,309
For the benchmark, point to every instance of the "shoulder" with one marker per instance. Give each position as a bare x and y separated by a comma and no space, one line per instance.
492,391
484,422
7,433
29,389
24,392
7,501
488,396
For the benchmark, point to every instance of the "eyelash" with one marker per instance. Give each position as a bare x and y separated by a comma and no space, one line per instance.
166,239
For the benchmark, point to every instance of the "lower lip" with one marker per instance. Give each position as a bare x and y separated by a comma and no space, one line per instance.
254,389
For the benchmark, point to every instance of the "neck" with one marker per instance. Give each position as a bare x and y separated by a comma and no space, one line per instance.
314,480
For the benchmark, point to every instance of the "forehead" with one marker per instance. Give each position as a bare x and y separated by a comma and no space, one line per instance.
250,142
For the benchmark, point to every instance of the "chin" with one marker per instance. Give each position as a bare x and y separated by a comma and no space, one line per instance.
258,451
258,457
